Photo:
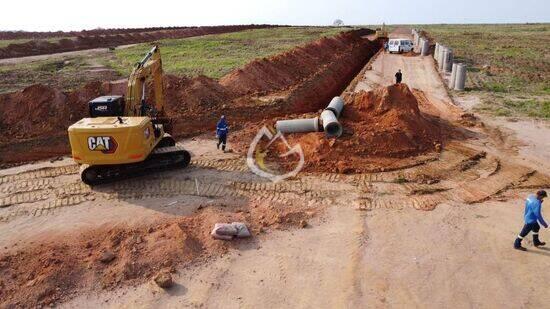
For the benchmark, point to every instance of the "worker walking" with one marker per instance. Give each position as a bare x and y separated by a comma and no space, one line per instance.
533,208
398,77
221,133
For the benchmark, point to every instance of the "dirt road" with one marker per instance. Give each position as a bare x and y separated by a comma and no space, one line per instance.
436,234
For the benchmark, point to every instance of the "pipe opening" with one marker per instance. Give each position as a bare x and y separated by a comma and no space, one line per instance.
333,129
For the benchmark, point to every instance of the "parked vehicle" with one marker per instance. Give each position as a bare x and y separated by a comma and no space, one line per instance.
400,45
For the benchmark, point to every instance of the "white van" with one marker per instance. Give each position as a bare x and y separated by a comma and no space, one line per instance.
400,45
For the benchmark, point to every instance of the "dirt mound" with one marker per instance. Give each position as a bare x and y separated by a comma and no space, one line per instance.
187,96
96,39
40,110
107,257
284,70
13,35
380,124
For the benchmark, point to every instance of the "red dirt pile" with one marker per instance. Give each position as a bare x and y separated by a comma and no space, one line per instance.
104,258
40,110
14,35
378,125
284,70
105,38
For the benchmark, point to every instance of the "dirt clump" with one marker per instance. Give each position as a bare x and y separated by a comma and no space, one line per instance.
164,280
379,126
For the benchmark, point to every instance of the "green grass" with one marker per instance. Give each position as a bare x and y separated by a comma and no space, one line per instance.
212,55
65,73
216,55
508,64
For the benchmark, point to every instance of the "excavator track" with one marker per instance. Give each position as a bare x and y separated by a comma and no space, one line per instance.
161,158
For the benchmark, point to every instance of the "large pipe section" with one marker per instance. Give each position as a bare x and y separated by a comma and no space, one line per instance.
336,105
298,125
460,79
441,58
448,60
329,121
330,124
453,76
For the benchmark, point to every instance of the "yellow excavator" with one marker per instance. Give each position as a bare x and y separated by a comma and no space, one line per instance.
125,137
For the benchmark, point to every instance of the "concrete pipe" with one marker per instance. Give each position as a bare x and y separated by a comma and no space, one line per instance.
442,50
460,79
442,55
448,61
453,77
330,124
336,105
298,125
425,47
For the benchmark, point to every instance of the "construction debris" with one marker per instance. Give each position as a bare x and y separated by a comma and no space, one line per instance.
226,231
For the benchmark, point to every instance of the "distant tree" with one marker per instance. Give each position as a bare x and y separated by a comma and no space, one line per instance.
338,23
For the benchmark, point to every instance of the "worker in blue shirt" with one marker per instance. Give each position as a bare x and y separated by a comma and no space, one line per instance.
221,132
533,207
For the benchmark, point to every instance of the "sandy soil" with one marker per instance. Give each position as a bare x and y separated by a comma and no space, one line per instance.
437,234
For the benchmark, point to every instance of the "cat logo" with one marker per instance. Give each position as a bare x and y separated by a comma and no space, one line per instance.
105,144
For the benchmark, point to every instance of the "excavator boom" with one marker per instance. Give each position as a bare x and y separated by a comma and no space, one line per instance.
149,67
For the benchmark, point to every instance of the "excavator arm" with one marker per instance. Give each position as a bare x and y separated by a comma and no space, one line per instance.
149,67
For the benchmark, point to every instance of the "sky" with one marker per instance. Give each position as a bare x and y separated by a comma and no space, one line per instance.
52,15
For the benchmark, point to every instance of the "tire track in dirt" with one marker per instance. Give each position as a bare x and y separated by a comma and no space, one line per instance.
462,174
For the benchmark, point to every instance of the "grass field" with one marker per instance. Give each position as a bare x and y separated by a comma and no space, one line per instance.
4,43
509,65
216,55
211,55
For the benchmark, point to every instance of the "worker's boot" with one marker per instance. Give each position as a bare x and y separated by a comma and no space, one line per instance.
517,245
537,242
223,147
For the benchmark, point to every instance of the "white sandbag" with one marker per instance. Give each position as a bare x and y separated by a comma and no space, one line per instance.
225,229
221,237
242,230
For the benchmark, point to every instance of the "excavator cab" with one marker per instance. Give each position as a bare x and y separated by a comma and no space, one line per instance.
105,106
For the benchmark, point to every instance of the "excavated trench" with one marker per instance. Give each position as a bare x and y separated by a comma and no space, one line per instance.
304,79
